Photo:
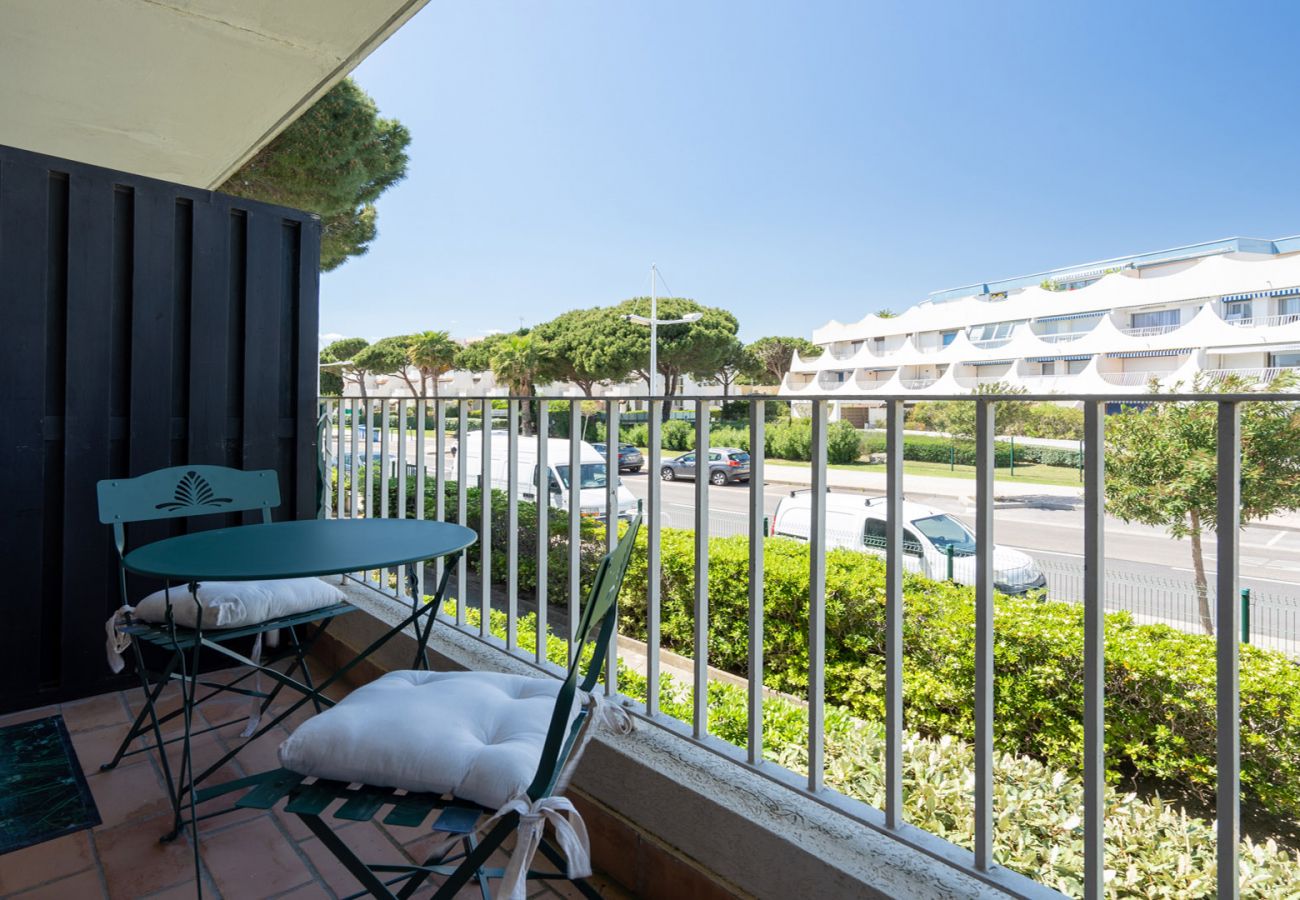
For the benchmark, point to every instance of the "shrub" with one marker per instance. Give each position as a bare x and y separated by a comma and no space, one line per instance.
1159,682
843,443
678,435
1153,848
636,435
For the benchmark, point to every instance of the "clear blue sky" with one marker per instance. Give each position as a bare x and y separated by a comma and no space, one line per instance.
799,162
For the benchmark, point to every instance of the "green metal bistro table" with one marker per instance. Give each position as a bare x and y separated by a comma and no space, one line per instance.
310,547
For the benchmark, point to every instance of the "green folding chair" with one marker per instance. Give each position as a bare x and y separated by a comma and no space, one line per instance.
184,492
467,744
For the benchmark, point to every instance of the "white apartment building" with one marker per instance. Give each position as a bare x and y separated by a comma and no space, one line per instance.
1222,307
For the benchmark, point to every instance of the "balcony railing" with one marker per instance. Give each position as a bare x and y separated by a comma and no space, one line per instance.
990,343
1265,321
1259,377
1062,337
1150,330
414,438
1133,379
915,384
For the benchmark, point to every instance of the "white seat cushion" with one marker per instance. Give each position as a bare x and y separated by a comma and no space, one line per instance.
234,604
477,735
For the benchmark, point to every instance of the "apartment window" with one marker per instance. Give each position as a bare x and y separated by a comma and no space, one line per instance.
1049,367
839,376
993,332
1288,306
1157,319
1075,366
1283,360
949,336
856,346
878,344
1237,309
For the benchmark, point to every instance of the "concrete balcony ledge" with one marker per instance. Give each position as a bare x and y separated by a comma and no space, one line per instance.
673,817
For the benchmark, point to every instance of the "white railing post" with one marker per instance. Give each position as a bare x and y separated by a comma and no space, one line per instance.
700,719
757,539
817,602
652,541
1094,650
984,467
894,613
1227,696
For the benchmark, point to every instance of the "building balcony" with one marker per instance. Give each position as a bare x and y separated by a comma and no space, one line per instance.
1150,330
1259,378
1265,321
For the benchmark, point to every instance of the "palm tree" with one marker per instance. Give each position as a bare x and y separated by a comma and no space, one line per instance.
516,361
433,353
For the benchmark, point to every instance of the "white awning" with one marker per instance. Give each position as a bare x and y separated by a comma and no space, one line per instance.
1255,348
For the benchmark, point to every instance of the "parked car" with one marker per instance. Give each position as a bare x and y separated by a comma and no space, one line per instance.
629,457
858,523
727,465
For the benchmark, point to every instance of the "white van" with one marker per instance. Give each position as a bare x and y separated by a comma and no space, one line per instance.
593,474
856,522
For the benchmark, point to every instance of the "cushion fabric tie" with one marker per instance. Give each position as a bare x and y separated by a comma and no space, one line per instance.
118,642
570,830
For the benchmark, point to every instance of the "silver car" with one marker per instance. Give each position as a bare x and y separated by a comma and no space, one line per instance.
727,465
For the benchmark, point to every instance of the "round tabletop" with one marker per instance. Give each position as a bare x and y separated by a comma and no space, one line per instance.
297,549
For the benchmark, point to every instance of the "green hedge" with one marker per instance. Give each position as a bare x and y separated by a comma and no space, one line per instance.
1159,681
1154,848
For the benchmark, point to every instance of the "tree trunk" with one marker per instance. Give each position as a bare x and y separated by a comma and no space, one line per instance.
526,409
1202,583
670,390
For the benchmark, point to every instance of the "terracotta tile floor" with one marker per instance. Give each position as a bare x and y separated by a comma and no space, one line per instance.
245,854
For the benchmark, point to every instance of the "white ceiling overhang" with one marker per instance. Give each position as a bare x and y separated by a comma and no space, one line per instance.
183,91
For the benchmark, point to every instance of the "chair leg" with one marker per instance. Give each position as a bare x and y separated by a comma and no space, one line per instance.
151,694
472,863
343,853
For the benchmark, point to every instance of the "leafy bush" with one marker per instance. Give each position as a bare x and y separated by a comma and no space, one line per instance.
843,443
1154,848
1159,681
636,435
678,435
1051,420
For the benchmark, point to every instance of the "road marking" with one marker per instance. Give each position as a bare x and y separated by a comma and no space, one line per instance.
1275,538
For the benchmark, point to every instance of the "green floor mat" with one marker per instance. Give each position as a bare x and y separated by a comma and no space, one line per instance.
43,794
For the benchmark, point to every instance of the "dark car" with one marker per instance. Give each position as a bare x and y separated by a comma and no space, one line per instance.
629,457
727,465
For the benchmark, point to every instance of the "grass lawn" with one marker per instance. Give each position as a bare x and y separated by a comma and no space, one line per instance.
1026,474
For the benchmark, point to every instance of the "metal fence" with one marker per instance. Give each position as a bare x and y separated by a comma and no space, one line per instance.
1270,618
402,445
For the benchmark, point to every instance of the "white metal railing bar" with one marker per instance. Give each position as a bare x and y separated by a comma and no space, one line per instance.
421,417
440,473
817,603
1227,676
757,414
654,418
485,523
462,564
512,519
575,524
700,717
542,494
894,614
1094,650
612,459
984,460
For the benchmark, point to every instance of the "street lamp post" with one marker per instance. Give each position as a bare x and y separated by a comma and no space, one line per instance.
654,322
